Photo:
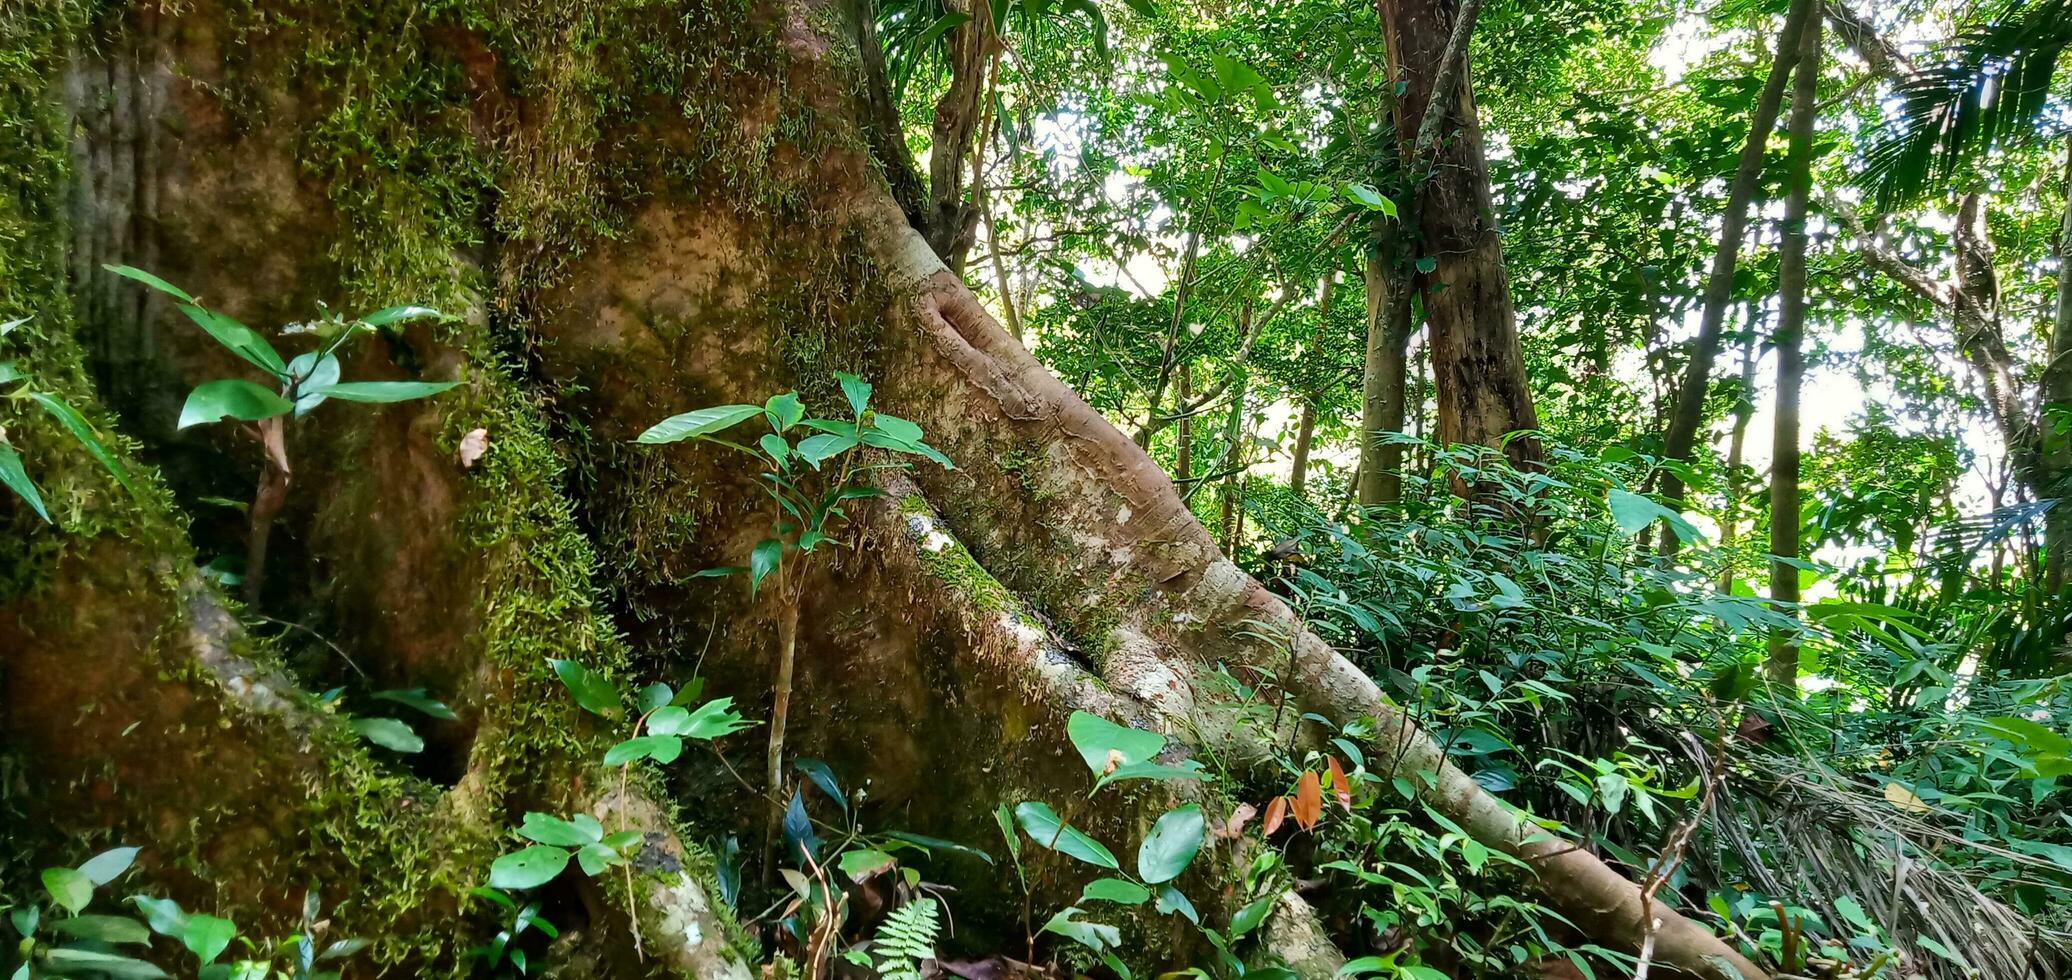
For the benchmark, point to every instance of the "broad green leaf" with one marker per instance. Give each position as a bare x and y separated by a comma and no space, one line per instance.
784,411
1115,890
1170,902
767,556
713,719
207,936
857,390
593,691
311,375
661,748
545,828
863,863
1171,845
24,919
67,961
76,424
108,865
667,720
105,928
1093,935
1249,917
132,272
389,734
1042,825
816,448
939,844
1633,513
1187,769
234,398
1366,196
823,777
340,949
237,338
68,887
691,425
774,446
382,392
8,327
415,698
1367,965
17,479
594,858
1105,744
653,697
529,868
163,914
398,314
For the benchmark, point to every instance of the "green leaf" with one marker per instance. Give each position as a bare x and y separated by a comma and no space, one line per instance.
661,748
1633,513
383,392
529,868
1092,935
593,691
68,887
1187,769
76,424
1426,264
398,314
24,919
238,339
1249,917
654,697
774,446
863,863
389,734
1096,737
713,719
691,425
207,936
105,928
415,698
310,374
857,390
233,398
1366,965
823,777
1115,890
1042,825
767,556
1366,196
8,327
68,961
784,411
132,272
163,914
815,449
343,948
1170,901
594,858
547,828
939,844
1171,845
17,479
108,865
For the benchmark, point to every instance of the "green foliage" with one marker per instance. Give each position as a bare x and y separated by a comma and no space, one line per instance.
906,938
15,383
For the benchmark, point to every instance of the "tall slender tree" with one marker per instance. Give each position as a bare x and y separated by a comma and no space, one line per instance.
1789,341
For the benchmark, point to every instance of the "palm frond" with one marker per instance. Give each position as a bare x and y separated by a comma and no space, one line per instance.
1990,89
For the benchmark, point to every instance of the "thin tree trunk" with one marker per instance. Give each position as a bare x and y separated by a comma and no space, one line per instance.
1306,427
1478,368
1183,453
1744,409
1783,663
2057,390
1691,393
1382,381
1007,306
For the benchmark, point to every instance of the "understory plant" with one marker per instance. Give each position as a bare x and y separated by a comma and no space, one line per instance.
16,384
294,388
809,480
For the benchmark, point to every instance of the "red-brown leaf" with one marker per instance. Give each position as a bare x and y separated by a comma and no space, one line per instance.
1238,818
1276,812
1340,787
1309,800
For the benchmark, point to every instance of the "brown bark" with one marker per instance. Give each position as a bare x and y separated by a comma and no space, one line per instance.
1737,440
2055,391
1696,386
1306,426
1478,369
1782,666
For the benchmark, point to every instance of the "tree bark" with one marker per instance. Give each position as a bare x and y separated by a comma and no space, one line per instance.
1306,425
1783,664
1696,386
611,271
1382,382
2056,393
1744,409
1478,369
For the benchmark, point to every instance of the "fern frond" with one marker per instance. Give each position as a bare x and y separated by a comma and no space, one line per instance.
906,938
1989,90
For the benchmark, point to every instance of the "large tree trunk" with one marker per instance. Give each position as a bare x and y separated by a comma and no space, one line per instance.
1783,663
1478,369
1696,387
632,230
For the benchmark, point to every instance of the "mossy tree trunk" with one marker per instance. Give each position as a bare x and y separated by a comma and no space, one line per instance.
638,210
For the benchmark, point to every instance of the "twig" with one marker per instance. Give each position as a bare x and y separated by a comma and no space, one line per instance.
1672,853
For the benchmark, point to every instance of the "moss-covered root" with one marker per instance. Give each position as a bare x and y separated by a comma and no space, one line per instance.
679,923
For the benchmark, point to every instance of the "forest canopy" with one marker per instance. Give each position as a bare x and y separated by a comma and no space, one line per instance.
992,489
